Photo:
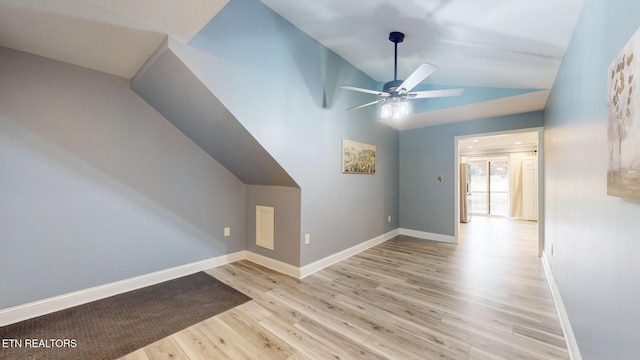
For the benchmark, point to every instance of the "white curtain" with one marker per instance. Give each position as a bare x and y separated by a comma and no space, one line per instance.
515,184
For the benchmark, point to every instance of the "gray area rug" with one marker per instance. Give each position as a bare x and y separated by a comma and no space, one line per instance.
117,325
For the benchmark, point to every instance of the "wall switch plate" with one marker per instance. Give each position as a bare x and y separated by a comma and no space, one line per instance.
227,231
389,218
307,239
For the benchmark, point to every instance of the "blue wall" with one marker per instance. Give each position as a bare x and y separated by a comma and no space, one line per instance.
97,187
282,85
594,236
426,204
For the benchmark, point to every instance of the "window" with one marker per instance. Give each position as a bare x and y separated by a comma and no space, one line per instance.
489,186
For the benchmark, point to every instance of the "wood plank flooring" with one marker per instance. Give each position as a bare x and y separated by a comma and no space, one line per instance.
485,298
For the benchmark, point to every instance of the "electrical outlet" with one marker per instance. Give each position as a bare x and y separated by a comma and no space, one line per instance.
389,218
307,239
227,231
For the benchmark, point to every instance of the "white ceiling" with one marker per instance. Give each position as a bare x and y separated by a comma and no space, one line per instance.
501,43
113,36
494,43
489,43
500,107
517,141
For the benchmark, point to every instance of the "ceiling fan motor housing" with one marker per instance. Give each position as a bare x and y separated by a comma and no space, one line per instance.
396,37
392,86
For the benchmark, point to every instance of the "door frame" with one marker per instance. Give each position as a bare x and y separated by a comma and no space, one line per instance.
456,176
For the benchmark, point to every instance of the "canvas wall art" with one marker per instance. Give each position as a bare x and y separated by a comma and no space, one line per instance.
623,125
358,157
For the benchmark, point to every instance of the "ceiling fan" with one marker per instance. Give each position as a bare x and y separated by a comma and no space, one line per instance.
394,94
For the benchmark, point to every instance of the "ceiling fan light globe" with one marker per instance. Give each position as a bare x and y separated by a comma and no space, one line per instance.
385,111
396,114
403,108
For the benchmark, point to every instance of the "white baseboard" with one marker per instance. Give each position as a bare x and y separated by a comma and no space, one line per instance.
428,236
301,272
572,345
46,306
37,308
273,264
344,254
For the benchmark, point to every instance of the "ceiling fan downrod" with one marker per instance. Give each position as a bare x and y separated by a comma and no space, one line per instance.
395,37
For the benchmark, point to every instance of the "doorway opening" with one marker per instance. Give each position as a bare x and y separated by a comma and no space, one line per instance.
498,176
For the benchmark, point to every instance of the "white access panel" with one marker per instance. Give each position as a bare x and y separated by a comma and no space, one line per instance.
265,228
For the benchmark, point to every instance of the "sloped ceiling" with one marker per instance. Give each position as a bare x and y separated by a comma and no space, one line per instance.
516,45
170,87
489,43
500,43
533,101
112,36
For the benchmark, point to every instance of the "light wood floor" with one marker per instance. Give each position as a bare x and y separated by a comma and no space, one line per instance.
486,298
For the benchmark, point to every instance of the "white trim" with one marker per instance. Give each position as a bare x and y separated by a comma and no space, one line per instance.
56,303
346,253
572,345
456,189
27,311
428,236
273,264
540,190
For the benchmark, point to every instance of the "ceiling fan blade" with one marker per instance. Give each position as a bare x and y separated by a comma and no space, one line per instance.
417,76
367,104
434,93
374,92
